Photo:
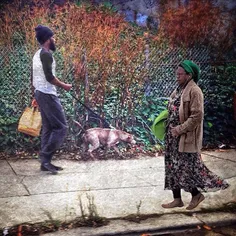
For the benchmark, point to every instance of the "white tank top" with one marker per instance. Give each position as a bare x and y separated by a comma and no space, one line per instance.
40,82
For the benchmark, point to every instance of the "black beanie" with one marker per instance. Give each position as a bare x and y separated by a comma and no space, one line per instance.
43,33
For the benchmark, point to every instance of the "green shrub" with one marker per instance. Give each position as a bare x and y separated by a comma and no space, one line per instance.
219,123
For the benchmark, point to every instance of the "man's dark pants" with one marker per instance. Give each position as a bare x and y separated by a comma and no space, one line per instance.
54,125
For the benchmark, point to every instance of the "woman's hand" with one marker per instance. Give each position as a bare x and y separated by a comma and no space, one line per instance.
174,131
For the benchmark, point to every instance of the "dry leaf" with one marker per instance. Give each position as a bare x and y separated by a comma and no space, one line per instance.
207,227
222,150
19,230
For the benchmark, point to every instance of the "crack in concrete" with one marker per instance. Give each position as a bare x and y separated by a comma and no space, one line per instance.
27,190
21,181
231,177
11,167
222,159
75,191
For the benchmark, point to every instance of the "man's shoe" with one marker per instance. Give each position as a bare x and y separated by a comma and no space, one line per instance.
176,203
195,201
58,168
49,167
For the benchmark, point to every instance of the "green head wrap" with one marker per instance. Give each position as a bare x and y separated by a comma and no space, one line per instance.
191,68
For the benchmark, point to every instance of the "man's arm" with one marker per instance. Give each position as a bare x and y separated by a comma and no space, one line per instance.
61,84
47,61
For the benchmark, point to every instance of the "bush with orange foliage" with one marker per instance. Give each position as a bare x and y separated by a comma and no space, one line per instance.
200,22
93,40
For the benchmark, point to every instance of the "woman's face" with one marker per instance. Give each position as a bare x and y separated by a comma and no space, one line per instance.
181,76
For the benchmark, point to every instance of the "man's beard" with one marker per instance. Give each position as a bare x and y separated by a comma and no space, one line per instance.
52,46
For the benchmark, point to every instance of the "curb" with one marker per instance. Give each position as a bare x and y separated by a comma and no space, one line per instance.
177,223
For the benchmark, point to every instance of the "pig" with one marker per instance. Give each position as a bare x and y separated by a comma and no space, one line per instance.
95,137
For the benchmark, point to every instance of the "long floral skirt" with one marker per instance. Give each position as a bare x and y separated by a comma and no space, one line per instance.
187,170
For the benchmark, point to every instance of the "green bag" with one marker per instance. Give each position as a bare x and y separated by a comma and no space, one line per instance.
159,125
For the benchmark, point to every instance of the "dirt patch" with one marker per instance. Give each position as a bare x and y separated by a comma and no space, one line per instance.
52,226
99,154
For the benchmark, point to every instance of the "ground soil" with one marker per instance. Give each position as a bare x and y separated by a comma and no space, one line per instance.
80,156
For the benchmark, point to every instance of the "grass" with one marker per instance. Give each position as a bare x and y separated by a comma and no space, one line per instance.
94,220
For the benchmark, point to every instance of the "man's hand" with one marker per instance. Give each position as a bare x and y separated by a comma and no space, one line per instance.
174,131
67,87
34,103
61,84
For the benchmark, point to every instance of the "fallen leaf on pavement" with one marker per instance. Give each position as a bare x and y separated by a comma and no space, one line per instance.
207,227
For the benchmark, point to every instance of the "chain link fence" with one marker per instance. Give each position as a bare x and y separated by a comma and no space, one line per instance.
157,70
163,63
15,72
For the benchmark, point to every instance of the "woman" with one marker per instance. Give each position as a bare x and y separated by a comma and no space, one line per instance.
184,168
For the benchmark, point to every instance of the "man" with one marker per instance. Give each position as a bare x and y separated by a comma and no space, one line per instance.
54,124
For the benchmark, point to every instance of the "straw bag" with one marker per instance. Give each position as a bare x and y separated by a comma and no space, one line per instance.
30,122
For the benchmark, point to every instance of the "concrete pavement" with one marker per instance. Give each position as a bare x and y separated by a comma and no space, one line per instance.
114,188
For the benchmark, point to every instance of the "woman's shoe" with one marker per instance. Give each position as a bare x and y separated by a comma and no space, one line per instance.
176,203
195,201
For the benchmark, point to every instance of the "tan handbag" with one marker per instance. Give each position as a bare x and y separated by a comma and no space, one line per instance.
30,122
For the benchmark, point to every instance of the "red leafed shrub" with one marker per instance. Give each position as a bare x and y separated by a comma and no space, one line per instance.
198,23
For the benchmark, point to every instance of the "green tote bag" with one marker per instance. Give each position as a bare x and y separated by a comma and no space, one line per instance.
159,125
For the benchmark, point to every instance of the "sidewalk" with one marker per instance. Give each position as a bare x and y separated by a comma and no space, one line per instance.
115,188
